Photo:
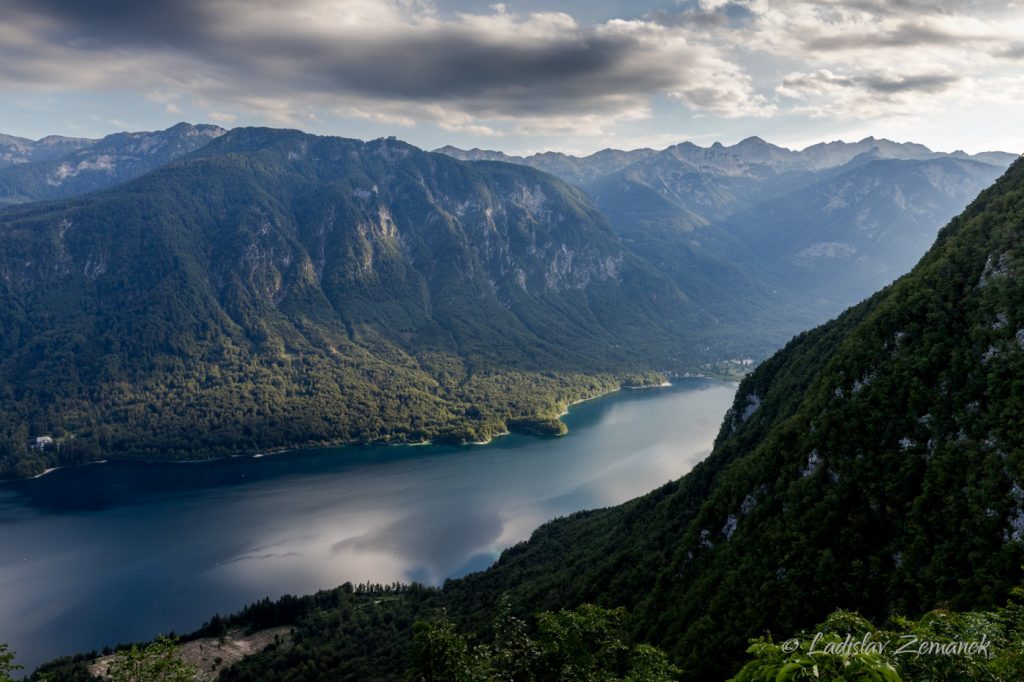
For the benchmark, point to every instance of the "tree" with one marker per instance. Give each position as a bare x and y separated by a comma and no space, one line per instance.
443,655
582,645
158,662
7,665
514,654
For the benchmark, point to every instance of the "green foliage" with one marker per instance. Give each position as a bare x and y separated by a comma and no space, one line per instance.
942,646
514,655
874,464
443,655
157,662
348,634
7,664
834,654
582,645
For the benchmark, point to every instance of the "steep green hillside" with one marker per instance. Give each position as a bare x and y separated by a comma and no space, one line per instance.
277,288
874,464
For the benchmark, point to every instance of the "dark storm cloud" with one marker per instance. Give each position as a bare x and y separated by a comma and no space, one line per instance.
906,35
461,66
453,65
928,83
141,22
405,61
479,67
878,84
897,7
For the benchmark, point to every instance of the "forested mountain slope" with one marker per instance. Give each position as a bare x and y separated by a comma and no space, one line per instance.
277,288
17,150
860,227
874,464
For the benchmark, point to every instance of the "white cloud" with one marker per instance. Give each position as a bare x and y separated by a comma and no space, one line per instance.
491,66
495,72
221,117
878,59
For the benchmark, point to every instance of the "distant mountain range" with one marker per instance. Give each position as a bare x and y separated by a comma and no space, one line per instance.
18,150
752,157
62,167
757,236
827,225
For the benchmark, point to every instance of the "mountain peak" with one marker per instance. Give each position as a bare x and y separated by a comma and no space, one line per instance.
58,167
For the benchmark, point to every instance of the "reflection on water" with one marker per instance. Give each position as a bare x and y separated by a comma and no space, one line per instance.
94,555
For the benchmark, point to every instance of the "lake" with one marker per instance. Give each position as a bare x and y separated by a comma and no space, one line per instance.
99,554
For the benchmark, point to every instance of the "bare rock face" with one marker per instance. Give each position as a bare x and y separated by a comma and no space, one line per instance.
59,167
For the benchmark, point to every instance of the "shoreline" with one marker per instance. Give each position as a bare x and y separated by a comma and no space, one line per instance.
585,400
664,384
490,440
45,471
345,443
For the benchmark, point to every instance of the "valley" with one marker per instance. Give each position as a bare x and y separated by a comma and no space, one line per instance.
528,341
273,289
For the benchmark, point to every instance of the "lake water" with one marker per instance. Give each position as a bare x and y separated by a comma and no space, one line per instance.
95,555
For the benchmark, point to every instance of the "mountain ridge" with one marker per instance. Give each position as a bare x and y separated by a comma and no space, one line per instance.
324,290
705,214
817,156
61,168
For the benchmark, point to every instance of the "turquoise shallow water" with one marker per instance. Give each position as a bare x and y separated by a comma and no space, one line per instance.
94,555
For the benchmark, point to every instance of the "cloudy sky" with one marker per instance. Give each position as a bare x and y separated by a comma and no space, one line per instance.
529,75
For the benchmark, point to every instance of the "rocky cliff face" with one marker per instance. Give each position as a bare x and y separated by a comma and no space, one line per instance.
19,150
783,238
57,168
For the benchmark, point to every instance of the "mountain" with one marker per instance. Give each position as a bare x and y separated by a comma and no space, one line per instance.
275,288
59,168
751,228
869,222
573,169
751,156
872,465
18,150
